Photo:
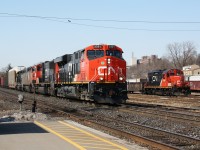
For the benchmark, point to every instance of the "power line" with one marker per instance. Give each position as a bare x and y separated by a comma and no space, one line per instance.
104,20
62,20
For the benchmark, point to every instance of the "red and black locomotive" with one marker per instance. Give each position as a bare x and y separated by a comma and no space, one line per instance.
96,73
166,82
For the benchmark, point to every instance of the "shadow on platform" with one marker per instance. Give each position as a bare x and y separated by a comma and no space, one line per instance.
20,128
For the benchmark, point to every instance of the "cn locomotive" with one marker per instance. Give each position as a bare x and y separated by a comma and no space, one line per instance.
96,73
166,82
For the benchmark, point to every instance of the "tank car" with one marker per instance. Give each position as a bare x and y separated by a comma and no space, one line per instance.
166,82
95,73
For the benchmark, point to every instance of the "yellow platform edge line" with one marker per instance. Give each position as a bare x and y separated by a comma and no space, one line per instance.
89,134
59,135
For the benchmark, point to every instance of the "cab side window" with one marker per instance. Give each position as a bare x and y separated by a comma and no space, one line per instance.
91,54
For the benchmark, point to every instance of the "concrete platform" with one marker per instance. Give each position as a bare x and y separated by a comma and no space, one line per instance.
28,136
57,135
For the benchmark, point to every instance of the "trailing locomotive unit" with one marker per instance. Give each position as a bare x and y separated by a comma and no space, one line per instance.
166,82
96,73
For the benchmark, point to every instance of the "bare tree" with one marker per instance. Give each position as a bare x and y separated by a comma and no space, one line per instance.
182,54
164,63
141,70
198,60
6,69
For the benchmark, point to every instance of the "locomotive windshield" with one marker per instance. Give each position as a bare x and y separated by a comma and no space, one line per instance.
115,53
92,54
174,72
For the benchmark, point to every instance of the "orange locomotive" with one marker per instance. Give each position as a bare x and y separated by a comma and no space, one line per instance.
166,82
96,73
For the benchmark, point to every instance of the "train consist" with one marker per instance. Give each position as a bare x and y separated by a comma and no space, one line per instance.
164,82
96,73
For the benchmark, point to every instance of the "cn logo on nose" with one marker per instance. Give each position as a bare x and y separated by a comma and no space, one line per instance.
102,70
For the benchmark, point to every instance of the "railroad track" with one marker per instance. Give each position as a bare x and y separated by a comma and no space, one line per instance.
175,104
182,115
151,137
190,98
169,139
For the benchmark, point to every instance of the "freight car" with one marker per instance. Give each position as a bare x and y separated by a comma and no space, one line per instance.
135,85
4,81
194,82
166,82
96,73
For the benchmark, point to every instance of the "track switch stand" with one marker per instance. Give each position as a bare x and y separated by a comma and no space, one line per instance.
20,100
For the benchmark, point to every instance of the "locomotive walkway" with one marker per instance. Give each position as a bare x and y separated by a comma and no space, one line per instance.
53,135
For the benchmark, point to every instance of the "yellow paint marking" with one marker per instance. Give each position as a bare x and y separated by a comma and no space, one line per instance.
66,130
77,137
69,133
90,147
93,143
98,145
85,139
89,134
59,135
63,131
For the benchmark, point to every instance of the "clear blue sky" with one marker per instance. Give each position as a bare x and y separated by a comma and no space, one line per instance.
27,41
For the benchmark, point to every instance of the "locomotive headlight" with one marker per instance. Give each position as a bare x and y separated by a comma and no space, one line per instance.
120,78
101,78
108,60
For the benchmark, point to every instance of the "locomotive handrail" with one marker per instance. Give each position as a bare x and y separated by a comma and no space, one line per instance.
94,77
